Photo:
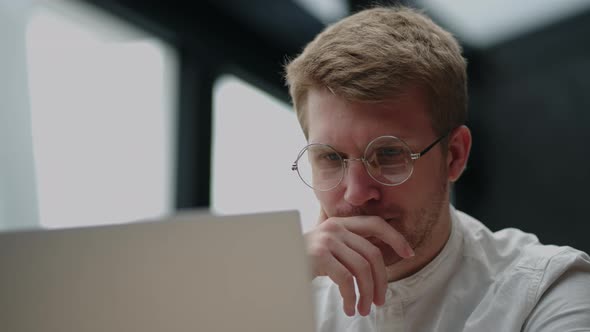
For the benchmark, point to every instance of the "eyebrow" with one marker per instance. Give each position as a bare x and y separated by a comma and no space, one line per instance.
408,140
372,138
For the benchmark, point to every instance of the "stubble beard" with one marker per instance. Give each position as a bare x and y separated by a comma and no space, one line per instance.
417,226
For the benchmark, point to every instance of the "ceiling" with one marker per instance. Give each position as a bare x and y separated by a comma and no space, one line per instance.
483,24
479,24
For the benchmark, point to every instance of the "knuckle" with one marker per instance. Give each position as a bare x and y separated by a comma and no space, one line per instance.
325,240
319,252
331,226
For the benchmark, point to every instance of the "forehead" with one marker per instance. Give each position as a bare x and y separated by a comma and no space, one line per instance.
337,121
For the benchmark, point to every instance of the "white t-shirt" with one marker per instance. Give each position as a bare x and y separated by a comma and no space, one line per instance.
481,281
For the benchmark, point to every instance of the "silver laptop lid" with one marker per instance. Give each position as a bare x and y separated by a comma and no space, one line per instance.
191,272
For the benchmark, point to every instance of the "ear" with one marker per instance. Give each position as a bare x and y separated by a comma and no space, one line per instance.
458,152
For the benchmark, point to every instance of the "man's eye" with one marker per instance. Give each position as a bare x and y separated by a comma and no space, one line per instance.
390,152
332,156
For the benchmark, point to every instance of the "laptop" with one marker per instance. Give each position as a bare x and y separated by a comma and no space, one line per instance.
190,272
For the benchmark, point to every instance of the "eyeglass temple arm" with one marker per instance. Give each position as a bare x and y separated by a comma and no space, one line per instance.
423,152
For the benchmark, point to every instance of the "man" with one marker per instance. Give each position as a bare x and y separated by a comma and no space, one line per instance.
381,97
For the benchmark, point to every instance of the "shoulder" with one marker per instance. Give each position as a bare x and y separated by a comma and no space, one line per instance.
563,296
551,284
508,248
512,248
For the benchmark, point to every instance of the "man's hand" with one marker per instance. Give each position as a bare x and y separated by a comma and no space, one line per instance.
338,248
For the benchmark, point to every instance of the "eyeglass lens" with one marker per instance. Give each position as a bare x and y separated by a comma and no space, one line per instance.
387,159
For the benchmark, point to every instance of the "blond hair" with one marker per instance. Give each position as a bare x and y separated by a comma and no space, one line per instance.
377,53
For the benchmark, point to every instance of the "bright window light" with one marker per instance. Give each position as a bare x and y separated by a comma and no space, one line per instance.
485,23
102,117
256,139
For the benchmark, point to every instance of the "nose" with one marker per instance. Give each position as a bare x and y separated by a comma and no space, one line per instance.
359,186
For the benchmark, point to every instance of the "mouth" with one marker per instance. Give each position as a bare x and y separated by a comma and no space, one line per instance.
393,220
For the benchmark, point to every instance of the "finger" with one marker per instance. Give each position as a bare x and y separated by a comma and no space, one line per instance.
377,227
372,254
362,271
345,281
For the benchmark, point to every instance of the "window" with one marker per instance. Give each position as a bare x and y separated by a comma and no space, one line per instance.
255,140
102,101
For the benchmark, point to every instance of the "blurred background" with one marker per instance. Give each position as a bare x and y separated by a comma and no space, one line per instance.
119,110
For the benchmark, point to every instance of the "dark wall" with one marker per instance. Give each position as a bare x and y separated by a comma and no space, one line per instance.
530,116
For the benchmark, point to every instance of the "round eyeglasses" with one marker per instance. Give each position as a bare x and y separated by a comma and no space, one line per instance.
387,159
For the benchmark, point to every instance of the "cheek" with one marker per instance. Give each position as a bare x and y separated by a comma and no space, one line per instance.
416,191
329,200
402,197
430,170
428,182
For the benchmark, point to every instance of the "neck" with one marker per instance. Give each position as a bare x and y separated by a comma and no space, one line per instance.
431,247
